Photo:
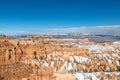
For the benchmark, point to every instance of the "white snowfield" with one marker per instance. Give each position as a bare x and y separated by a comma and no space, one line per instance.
97,48
92,76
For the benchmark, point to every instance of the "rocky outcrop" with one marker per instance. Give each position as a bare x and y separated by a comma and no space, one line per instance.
47,58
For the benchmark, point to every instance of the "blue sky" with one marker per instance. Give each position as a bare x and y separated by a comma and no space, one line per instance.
28,15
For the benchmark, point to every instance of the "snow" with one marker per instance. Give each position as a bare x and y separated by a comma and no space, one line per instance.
56,59
109,61
115,55
71,58
116,43
52,63
80,59
62,59
70,67
65,65
45,64
79,76
118,63
97,47
93,77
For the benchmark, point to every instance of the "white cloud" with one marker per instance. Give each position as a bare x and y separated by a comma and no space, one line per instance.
105,30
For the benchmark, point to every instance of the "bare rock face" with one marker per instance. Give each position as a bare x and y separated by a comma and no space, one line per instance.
9,53
11,66
4,38
47,58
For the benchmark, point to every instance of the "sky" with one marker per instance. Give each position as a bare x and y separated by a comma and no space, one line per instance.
35,15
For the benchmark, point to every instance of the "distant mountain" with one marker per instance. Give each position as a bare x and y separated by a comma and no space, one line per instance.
95,33
89,30
92,37
96,38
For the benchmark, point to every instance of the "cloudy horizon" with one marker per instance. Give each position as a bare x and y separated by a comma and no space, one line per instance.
92,30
